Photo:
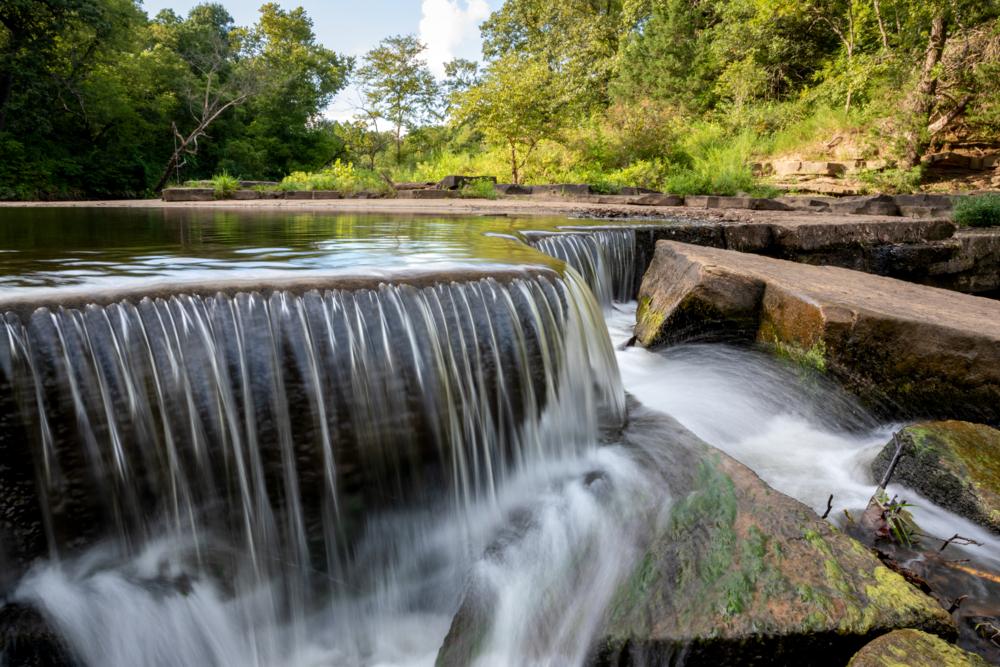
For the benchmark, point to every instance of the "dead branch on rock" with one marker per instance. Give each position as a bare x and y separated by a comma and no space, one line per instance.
887,477
829,507
956,603
960,541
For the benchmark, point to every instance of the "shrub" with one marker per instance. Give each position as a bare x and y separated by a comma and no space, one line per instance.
225,185
340,176
978,211
480,188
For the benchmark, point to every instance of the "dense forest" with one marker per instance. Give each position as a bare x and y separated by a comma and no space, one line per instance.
98,99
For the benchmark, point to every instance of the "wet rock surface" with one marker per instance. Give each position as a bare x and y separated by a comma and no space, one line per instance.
739,574
954,464
907,350
28,640
913,649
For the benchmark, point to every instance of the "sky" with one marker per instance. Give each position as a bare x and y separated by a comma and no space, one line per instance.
449,28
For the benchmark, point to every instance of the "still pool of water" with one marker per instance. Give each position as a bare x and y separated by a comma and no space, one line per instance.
123,248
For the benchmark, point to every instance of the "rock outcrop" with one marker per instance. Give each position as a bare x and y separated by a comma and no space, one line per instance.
906,349
738,575
954,464
913,648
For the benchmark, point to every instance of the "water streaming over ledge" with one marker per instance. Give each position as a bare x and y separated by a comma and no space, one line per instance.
606,258
250,464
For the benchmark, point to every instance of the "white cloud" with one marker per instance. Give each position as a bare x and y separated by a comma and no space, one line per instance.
450,28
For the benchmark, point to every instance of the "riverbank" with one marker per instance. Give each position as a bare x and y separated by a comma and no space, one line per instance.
597,207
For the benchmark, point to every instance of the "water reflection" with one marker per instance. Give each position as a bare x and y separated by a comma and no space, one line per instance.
58,248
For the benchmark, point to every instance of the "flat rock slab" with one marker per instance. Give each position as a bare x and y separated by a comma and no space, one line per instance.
906,349
738,574
955,464
189,194
912,648
427,194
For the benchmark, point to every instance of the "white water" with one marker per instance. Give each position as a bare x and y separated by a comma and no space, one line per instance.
546,549
551,576
804,437
561,518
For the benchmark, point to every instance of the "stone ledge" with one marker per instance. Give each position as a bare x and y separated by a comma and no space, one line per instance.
906,349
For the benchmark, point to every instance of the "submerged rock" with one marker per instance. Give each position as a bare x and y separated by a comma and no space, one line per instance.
739,574
912,648
28,640
954,464
904,348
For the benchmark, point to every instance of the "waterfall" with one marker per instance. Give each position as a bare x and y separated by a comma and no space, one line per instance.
606,258
244,461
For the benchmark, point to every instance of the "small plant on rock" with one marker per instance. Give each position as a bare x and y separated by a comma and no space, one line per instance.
480,188
898,520
978,211
225,185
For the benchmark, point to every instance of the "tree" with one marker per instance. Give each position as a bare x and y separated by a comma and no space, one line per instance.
398,85
459,75
518,103
578,40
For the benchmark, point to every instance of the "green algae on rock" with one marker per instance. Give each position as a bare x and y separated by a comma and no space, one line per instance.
954,464
743,575
912,648
736,574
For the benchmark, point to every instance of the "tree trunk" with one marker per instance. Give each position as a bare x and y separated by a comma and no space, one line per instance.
171,163
514,172
922,101
881,26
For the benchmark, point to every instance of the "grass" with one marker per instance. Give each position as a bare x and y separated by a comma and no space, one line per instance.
978,211
481,188
893,181
341,177
224,185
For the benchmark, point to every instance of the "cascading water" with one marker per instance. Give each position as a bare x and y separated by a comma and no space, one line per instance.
606,258
289,479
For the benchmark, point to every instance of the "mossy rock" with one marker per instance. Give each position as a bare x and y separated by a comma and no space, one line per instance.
738,574
744,575
912,648
954,464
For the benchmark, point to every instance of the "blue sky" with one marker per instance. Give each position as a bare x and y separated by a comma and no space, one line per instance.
450,28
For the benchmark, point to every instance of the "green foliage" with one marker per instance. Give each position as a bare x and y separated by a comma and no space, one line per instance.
398,86
518,103
480,188
342,177
91,90
225,185
899,520
978,211
895,180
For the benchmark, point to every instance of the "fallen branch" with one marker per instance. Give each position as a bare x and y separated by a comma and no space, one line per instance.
944,121
960,541
829,507
887,477
956,603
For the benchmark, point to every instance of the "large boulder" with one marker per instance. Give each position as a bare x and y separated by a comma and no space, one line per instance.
739,574
955,464
912,648
906,349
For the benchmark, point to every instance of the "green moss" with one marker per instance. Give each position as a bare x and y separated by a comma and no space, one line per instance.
649,321
813,359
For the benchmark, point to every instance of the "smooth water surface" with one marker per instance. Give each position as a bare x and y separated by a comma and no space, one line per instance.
120,248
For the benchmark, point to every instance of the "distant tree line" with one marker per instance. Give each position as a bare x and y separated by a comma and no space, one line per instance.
97,99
